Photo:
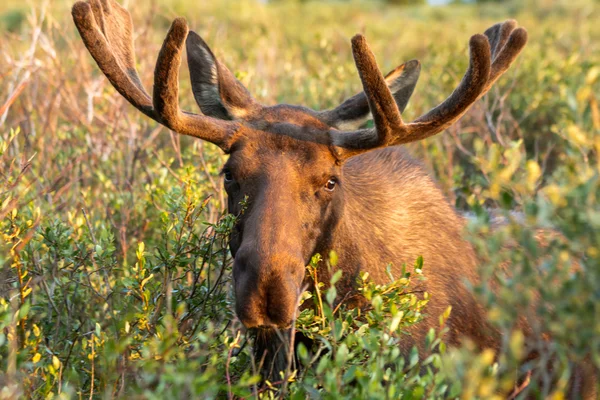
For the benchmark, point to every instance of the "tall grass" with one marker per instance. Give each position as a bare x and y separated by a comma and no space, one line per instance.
114,269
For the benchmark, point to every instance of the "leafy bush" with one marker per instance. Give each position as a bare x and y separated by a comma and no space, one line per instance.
114,268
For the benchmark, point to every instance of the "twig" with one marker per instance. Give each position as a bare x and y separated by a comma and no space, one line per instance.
87,221
92,377
37,30
291,349
164,164
229,355
521,387
11,99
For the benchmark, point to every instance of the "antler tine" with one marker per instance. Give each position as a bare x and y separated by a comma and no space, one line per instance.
117,61
166,75
506,43
509,44
498,35
468,91
401,81
386,116
106,29
166,91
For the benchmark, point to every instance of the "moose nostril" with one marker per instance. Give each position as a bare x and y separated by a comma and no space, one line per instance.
281,301
249,311
281,318
271,309
264,301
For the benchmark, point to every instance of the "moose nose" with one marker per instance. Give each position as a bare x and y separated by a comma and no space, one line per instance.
266,294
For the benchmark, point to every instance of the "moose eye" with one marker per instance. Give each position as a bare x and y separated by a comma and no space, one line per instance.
228,175
330,185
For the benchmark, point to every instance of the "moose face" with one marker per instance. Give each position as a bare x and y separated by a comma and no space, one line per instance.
286,159
294,198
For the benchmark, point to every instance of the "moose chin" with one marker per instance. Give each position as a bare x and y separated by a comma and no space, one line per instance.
318,181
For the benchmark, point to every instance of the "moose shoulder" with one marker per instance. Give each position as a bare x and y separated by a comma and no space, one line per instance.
315,180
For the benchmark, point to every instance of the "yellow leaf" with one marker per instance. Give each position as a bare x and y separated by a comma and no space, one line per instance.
145,281
517,341
575,134
595,113
36,358
140,250
5,202
592,75
36,330
447,312
396,321
513,156
487,357
495,190
55,363
592,252
597,146
583,94
557,396
564,256
555,194
533,173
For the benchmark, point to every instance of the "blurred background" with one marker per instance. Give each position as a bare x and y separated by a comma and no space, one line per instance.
114,258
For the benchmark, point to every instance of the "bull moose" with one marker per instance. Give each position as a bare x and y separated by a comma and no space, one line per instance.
316,181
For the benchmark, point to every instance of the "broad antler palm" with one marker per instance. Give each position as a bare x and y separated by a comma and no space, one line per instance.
490,56
106,29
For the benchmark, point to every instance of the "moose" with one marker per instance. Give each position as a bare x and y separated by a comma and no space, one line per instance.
318,181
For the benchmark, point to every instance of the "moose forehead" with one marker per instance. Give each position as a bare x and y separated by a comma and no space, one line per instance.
298,122
290,133
290,114
277,153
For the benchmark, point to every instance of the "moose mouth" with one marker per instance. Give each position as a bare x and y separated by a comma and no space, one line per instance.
273,351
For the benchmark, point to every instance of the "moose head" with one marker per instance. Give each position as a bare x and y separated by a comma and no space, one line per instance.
292,162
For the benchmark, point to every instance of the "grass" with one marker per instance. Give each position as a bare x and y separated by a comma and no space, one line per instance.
114,269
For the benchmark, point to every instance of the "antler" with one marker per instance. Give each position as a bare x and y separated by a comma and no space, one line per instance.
490,56
106,29
401,81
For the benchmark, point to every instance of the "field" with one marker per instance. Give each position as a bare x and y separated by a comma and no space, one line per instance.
114,267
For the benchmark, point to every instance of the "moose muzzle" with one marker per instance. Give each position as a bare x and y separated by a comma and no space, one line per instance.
267,288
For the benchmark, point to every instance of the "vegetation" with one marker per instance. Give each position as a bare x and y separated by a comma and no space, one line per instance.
114,268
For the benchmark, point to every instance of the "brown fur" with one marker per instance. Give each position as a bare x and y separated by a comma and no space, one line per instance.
381,207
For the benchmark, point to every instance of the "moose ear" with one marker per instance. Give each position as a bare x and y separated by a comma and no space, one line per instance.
218,93
354,112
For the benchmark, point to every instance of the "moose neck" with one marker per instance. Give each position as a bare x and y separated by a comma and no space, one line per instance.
393,213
